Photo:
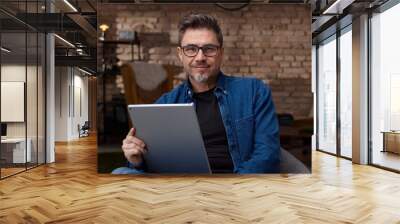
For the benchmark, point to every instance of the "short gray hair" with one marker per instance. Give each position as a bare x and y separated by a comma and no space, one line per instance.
198,21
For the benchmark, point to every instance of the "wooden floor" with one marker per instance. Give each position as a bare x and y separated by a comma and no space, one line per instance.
10,171
387,159
5,172
70,191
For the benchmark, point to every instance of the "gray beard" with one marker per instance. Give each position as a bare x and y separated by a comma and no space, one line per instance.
200,78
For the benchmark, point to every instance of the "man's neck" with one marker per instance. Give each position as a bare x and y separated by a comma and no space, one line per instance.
199,87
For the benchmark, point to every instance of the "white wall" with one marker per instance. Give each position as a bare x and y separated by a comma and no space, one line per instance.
80,110
12,73
62,81
17,73
71,94
12,101
33,126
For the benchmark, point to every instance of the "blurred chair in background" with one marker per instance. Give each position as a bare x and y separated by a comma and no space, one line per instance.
144,82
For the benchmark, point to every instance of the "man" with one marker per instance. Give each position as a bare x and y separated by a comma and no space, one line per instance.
236,115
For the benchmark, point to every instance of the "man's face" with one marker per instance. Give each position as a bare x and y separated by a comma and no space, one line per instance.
200,67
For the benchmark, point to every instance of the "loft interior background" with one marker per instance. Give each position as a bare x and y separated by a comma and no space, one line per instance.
270,42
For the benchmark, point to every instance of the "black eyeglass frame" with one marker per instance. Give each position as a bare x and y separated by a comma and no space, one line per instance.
198,48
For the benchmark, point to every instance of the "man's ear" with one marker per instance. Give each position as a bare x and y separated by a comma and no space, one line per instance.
179,52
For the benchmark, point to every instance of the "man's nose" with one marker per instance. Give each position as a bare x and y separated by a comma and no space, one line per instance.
200,56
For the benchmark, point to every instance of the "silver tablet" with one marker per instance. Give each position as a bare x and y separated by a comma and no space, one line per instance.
173,138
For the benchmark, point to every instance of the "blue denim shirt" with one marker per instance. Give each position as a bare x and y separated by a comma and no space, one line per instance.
250,121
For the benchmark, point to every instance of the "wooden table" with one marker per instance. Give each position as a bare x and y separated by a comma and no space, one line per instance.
14,150
391,141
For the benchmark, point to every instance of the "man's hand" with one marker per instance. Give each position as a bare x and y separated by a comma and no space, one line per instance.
133,148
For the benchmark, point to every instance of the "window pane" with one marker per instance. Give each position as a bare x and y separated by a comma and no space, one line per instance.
327,96
386,88
15,150
345,94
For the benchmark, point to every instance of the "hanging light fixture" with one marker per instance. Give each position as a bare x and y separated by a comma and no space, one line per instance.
104,27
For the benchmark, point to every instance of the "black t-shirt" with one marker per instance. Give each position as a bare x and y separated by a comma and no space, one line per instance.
213,132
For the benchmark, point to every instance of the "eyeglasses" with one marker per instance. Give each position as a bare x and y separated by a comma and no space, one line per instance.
208,50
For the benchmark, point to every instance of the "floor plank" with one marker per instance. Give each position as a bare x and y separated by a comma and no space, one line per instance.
71,191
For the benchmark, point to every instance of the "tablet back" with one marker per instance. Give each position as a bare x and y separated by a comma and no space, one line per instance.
172,135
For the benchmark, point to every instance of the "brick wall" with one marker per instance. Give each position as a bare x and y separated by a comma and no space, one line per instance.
270,42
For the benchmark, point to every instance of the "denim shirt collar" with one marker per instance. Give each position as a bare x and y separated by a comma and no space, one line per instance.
220,86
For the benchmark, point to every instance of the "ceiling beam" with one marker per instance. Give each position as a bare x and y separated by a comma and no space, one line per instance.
78,61
84,24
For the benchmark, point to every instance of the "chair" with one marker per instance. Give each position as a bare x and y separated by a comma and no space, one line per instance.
84,130
295,134
290,164
285,119
144,82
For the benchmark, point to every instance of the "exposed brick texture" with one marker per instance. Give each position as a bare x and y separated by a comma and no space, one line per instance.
270,42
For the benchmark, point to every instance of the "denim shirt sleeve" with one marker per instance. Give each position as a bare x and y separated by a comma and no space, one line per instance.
140,167
265,157
162,99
